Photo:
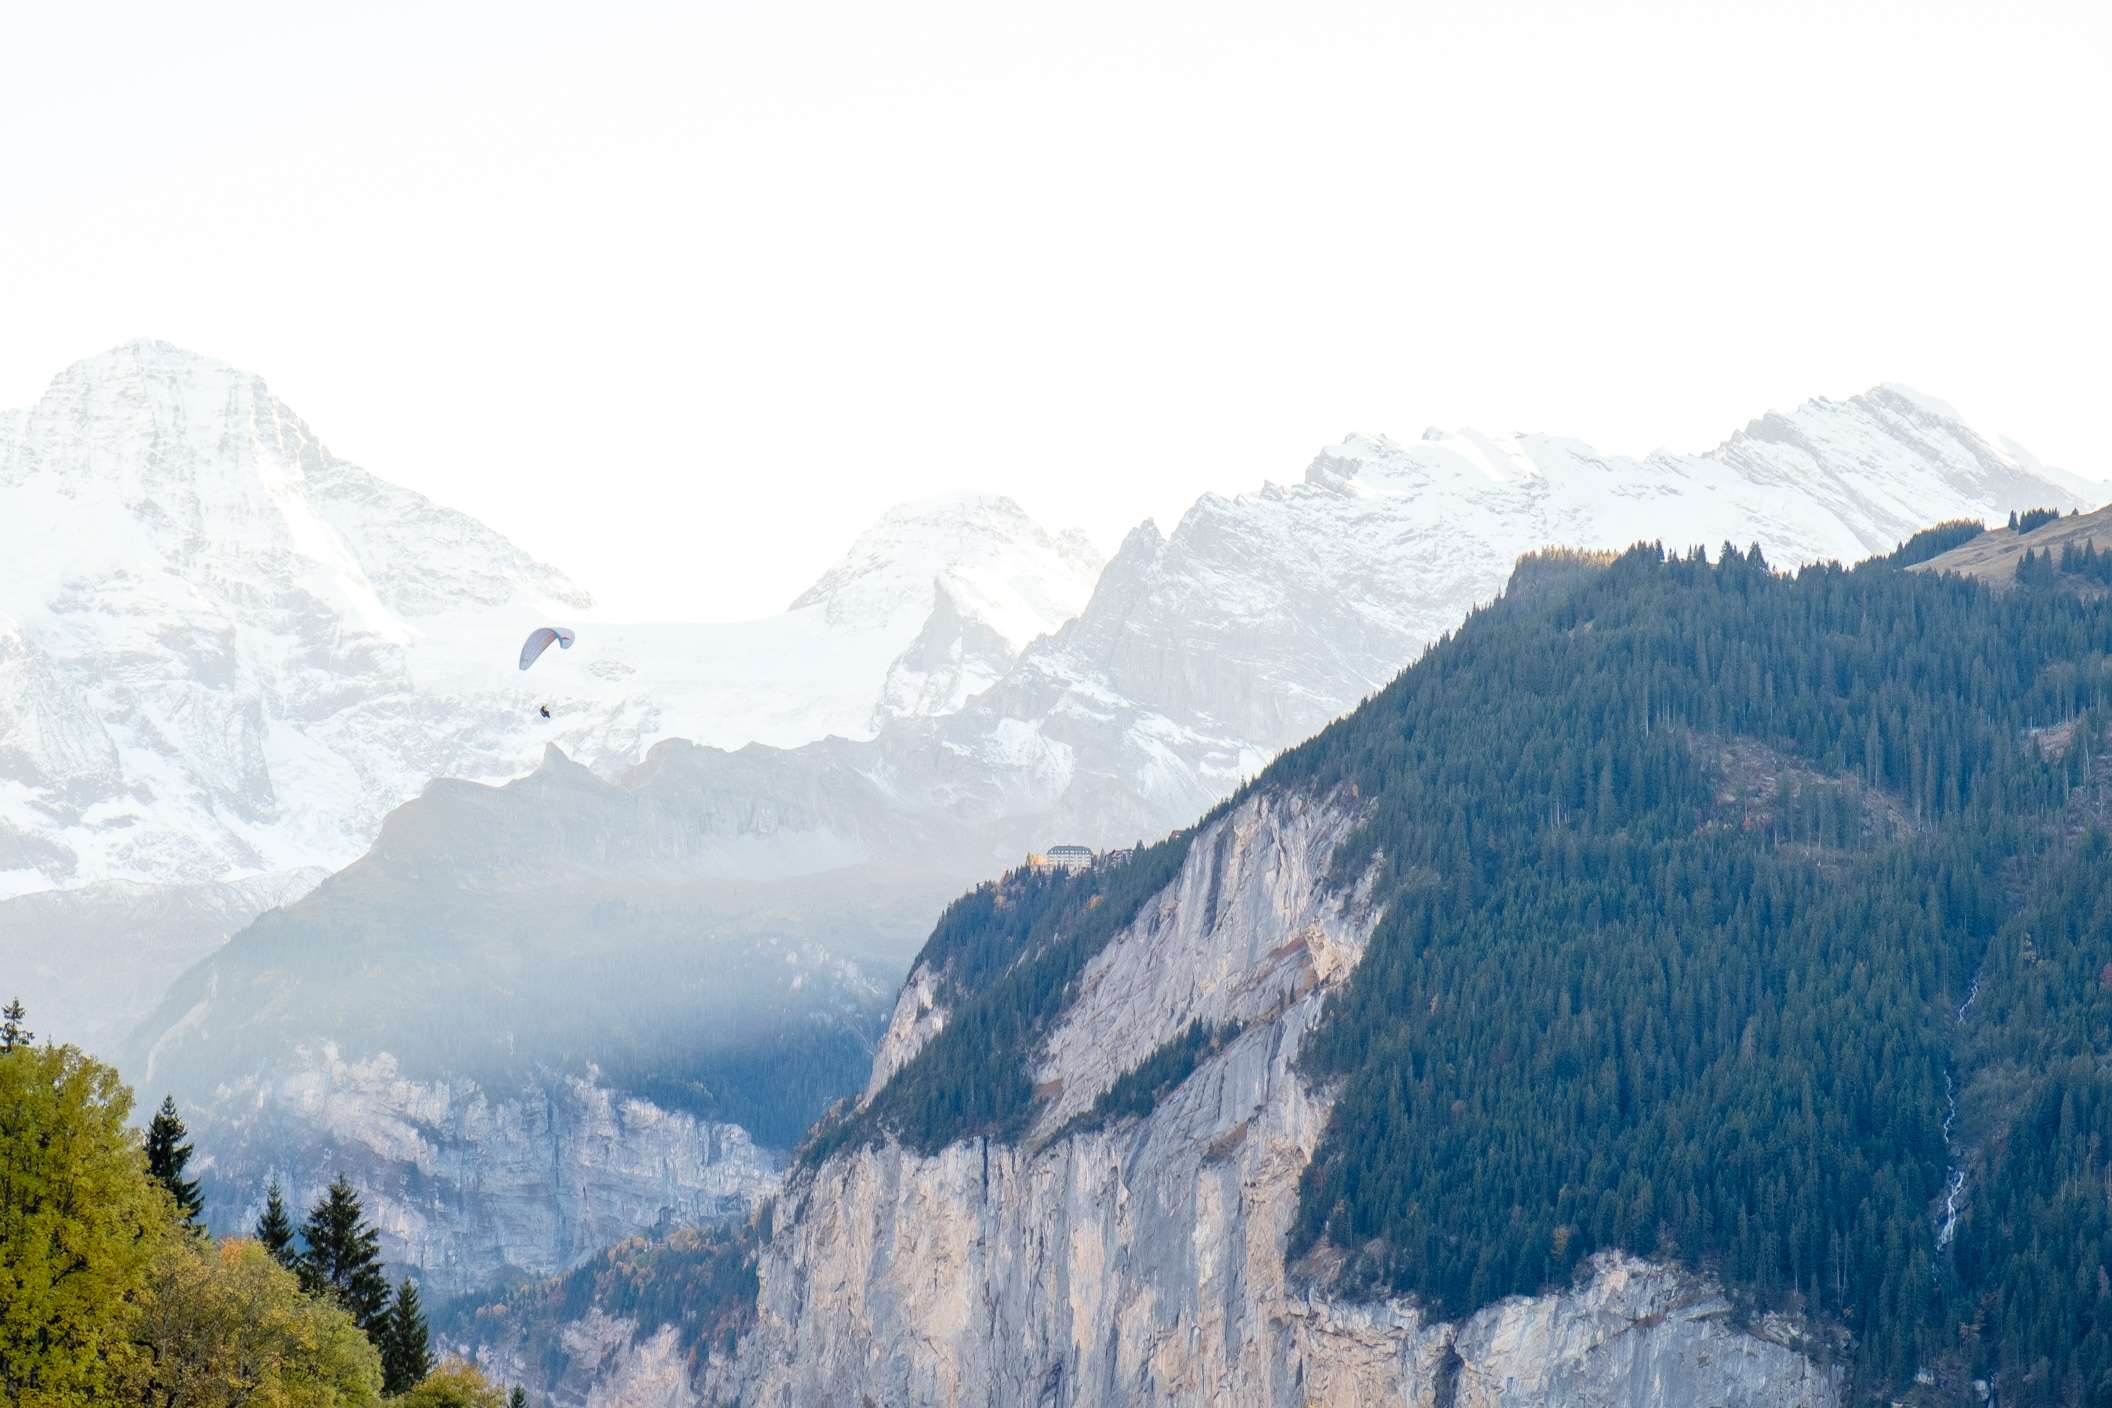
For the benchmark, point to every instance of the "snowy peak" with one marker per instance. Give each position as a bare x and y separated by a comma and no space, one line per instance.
1461,461
1265,615
225,650
196,467
1828,479
1875,431
1862,447
207,624
1002,568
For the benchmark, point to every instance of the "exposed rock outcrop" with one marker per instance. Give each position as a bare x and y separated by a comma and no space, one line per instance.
470,1187
1143,1263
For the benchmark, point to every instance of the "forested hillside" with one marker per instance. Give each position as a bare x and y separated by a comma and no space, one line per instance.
1753,921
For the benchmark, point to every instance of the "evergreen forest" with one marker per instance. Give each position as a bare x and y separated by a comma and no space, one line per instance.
1752,920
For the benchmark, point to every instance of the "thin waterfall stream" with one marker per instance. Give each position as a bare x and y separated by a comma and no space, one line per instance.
1954,1193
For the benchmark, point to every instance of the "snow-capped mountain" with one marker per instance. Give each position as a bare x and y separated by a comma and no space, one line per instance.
226,652
1262,617
243,666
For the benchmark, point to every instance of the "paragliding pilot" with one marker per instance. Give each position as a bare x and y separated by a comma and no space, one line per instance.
539,640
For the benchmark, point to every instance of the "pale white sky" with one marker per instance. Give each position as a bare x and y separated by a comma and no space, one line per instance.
681,297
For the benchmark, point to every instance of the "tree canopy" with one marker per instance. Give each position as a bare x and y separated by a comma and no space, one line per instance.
111,1298
225,1326
81,1225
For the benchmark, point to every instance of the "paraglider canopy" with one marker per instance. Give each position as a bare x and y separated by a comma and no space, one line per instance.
539,641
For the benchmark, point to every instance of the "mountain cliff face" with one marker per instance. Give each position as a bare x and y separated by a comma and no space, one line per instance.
473,1185
1685,984
540,1017
254,668
1141,1261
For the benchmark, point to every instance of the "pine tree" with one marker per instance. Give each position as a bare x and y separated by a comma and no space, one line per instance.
12,1032
167,1156
343,1260
275,1229
518,1398
406,1349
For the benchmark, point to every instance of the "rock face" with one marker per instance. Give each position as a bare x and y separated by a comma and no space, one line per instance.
617,950
267,649
1143,1263
467,1186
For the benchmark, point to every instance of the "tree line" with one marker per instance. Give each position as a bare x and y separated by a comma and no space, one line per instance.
1686,877
1686,870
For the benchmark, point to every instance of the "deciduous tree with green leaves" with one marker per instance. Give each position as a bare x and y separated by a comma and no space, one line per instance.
80,1227
453,1385
225,1326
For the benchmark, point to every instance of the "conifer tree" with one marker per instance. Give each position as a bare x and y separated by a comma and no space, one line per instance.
168,1155
12,1032
275,1229
343,1259
406,1348
518,1398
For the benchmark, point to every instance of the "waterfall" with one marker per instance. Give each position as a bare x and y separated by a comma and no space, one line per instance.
1954,1193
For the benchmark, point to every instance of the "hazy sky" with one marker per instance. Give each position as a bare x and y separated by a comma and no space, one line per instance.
680,298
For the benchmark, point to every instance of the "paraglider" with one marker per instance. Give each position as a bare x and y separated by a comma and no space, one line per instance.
539,641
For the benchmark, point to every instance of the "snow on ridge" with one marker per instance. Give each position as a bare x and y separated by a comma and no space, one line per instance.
1263,616
1004,569
230,651
276,647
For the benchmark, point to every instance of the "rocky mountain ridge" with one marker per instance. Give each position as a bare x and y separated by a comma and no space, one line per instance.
226,651
809,871
1142,1262
1111,1148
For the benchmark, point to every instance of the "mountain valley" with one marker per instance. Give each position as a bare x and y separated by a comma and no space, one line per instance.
544,987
